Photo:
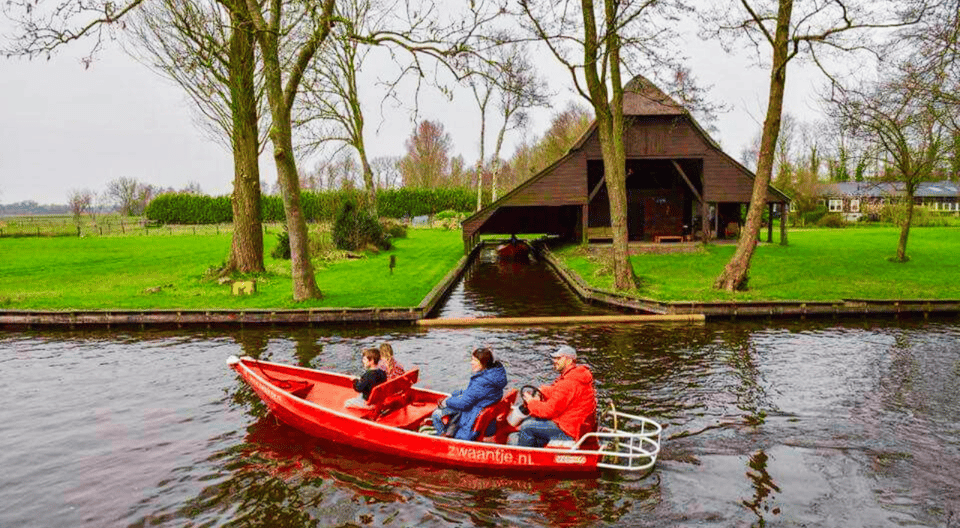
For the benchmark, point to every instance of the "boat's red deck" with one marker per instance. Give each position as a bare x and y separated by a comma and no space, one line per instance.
333,396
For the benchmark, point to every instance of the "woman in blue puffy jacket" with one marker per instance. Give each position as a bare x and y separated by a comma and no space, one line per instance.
486,388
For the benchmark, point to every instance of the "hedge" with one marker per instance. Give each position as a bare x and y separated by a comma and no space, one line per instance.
181,208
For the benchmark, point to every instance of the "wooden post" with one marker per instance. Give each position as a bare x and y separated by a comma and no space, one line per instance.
705,221
770,223
584,222
784,218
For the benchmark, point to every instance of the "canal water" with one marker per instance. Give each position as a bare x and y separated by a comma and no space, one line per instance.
847,422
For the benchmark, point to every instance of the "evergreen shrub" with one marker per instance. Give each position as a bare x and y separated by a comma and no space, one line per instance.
316,206
355,228
814,216
282,249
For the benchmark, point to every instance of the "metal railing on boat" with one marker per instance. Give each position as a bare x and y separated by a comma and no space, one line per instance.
633,448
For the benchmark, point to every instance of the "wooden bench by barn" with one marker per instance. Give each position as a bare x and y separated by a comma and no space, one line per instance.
667,238
599,233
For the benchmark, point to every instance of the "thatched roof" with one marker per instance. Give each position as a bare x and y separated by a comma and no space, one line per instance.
641,97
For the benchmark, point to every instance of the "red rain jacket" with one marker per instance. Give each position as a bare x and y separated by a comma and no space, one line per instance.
570,402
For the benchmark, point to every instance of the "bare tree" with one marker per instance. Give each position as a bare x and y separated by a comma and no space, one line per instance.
330,108
596,43
130,196
834,26
80,201
427,161
207,48
510,82
282,86
386,171
904,124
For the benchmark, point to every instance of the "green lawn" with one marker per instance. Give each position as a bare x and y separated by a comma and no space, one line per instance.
112,273
818,265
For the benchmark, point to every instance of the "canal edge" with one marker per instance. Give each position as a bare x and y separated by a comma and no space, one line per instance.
734,310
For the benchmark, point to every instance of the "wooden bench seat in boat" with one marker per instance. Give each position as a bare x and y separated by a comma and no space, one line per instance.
391,403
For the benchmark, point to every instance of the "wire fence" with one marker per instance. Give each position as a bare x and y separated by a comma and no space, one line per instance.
108,226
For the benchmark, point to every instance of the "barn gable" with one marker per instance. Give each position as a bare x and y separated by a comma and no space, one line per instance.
679,181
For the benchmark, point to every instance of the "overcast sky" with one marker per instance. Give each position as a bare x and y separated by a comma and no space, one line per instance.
68,127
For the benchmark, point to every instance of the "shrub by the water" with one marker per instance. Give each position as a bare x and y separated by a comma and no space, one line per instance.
282,250
355,228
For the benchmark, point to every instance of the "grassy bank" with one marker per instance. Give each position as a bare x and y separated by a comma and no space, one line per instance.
171,272
818,265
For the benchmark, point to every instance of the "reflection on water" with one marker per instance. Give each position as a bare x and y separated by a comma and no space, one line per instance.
817,423
512,289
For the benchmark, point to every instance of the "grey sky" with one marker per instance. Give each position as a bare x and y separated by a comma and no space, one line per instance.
66,127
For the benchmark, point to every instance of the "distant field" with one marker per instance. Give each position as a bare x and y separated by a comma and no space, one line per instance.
104,225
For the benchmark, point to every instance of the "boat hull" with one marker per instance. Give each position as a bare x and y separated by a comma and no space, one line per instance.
514,251
340,426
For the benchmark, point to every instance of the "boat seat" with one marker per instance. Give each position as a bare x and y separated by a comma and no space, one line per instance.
496,413
388,396
409,415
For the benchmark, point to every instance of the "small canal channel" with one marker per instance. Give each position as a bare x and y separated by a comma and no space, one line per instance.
494,288
776,422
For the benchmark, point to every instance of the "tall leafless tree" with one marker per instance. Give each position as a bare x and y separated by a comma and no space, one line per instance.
597,43
331,109
836,26
427,161
207,48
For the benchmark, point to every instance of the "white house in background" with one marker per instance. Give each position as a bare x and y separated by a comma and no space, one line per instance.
855,199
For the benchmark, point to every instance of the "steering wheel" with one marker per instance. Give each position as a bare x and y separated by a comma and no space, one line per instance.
532,391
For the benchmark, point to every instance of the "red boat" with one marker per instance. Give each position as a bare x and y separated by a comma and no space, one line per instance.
514,249
312,401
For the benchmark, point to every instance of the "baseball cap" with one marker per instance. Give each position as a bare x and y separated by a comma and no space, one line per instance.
565,351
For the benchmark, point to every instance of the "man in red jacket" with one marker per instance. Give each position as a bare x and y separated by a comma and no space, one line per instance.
568,406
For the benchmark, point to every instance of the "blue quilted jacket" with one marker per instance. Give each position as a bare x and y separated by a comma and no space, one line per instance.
485,389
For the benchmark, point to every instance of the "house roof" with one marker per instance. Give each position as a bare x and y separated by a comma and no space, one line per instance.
881,189
642,98
934,189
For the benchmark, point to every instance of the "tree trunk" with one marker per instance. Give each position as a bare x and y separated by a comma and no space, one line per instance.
736,272
479,184
614,170
281,103
368,182
905,229
304,282
784,219
246,252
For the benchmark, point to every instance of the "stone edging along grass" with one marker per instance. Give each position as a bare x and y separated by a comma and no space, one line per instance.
732,309
179,318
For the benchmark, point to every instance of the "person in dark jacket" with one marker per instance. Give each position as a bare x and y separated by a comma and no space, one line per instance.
371,377
462,407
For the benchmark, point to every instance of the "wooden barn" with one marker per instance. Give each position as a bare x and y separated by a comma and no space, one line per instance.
680,184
